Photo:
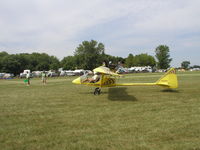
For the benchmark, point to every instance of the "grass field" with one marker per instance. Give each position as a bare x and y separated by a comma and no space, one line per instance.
60,115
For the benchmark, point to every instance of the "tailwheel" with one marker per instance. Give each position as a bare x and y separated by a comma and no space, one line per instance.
97,91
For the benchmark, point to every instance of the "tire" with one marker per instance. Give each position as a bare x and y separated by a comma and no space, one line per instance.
97,91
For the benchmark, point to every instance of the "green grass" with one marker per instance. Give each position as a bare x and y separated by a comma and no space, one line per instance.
60,115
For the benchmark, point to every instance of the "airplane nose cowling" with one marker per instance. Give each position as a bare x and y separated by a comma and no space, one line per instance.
77,81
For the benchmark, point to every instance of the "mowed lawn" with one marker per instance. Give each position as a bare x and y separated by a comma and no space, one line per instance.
60,115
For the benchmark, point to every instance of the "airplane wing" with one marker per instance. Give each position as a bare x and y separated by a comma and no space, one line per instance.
105,70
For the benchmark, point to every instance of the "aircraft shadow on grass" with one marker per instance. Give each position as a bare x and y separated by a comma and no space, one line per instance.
119,94
170,91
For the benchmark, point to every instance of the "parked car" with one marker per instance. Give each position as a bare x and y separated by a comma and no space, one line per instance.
36,73
22,75
1,75
78,72
6,75
52,74
70,73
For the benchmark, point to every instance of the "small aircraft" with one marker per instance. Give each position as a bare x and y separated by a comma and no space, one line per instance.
108,79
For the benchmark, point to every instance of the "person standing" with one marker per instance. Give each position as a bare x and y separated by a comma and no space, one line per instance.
104,64
44,77
95,78
28,76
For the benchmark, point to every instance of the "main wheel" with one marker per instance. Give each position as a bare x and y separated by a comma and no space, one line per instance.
97,91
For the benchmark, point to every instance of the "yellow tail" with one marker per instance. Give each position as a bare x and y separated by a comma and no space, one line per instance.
169,79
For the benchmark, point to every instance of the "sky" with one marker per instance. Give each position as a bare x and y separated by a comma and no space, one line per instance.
57,27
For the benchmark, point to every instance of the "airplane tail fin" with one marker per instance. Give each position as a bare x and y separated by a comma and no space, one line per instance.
169,79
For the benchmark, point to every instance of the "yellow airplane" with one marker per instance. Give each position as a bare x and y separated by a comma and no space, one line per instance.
108,79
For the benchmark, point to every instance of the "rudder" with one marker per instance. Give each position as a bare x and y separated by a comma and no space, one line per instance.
169,79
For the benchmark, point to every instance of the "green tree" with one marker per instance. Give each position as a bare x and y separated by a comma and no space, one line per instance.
185,64
23,60
196,66
10,64
140,60
163,57
43,66
42,61
19,62
54,63
69,63
113,59
89,54
2,55
130,61
144,60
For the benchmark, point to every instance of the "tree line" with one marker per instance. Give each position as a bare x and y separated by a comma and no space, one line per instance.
91,54
16,63
88,55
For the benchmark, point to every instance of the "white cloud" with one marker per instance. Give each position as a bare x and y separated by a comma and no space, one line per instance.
57,27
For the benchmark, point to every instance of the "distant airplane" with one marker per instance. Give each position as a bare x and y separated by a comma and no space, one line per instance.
107,78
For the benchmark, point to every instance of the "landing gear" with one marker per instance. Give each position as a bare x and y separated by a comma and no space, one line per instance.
97,91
